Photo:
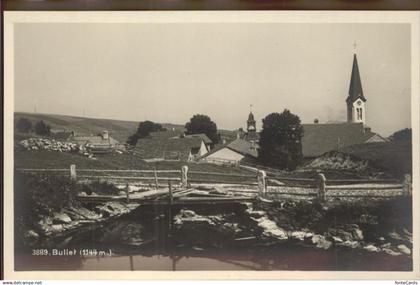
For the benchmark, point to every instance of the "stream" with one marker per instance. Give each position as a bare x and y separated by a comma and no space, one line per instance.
223,237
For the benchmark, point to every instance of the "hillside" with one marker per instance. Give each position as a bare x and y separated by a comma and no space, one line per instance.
118,129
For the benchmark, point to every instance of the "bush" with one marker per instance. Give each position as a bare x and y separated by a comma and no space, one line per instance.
100,187
41,194
42,128
24,125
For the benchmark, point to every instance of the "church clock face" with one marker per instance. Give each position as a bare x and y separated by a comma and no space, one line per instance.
359,103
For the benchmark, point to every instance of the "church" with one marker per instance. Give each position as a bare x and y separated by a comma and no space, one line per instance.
317,138
321,138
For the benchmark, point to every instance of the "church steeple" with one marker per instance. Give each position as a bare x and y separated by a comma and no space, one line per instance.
250,123
356,99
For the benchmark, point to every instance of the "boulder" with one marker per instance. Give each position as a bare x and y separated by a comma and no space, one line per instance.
391,252
404,249
298,235
357,234
371,248
351,244
321,242
31,236
270,228
61,218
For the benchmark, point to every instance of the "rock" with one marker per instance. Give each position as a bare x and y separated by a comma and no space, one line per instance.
391,252
298,235
309,235
188,217
405,231
404,249
31,236
61,218
57,228
340,233
321,242
337,239
395,236
270,228
357,234
351,244
371,248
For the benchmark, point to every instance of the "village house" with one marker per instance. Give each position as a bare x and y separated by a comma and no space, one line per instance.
233,152
171,145
207,141
101,143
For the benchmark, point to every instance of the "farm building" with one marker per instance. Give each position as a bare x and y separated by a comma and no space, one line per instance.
170,145
102,143
207,141
232,153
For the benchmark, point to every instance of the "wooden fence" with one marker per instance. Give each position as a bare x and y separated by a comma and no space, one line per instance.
266,184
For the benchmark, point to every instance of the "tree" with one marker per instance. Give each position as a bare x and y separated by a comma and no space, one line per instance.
24,125
402,135
42,128
144,129
203,124
281,140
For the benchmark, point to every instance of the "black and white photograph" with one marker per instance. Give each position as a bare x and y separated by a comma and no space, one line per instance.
147,143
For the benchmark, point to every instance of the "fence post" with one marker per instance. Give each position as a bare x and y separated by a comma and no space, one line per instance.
321,186
156,179
262,183
184,176
171,197
127,192
407,186
73,171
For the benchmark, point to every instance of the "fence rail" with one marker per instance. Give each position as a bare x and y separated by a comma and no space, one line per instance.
318,187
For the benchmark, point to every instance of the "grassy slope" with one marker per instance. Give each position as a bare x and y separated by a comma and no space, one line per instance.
50,159
393,157
120,130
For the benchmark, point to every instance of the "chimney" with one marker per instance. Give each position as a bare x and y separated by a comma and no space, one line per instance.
223,141
105,135
316,121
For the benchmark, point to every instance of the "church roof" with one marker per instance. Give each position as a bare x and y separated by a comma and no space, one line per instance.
321,138
355,90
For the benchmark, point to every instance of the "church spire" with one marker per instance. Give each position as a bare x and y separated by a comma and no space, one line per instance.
355,90
356,99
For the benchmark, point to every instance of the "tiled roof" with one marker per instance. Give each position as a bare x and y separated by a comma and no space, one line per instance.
321,138
203,136
95,140
172,147
240,146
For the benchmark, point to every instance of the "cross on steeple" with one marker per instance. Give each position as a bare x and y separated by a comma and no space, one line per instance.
354,47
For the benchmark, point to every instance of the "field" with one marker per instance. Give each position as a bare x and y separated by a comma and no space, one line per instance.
50,159
120,130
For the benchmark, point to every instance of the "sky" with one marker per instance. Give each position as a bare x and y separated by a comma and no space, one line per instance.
167,72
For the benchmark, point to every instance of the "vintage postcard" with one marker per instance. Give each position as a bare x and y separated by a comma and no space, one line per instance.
211,145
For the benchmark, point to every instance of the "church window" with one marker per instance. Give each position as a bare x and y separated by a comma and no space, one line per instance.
359,114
